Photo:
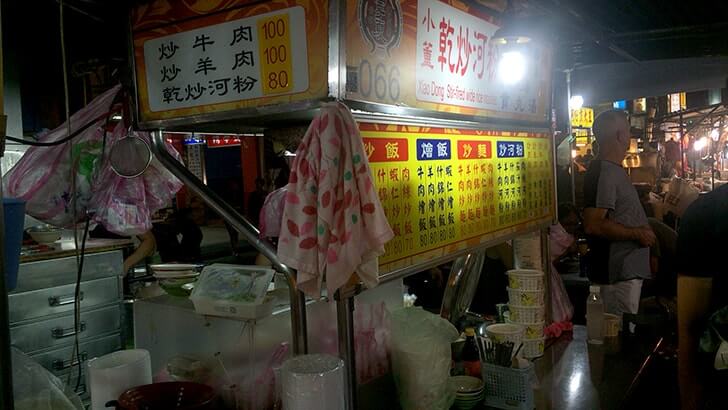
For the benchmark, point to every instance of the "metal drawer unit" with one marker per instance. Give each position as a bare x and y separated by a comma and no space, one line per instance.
41,310
40,303
48,333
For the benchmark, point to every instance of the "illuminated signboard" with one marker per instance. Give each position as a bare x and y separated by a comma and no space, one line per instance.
228,55
444,190
582,117
439,56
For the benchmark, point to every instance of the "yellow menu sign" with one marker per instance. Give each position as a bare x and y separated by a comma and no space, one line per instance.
444,190
583,117
274,34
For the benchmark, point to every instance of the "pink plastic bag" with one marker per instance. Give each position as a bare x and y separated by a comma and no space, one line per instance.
124,205
271,214
42,177
562,309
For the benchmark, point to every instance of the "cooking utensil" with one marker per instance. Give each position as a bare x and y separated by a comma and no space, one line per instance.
130,156
169,395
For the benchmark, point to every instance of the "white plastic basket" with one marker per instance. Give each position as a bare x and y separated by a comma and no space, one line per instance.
533,348
525,279
526,314
525,297
508,388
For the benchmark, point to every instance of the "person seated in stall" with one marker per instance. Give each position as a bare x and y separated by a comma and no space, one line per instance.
702,290
177,239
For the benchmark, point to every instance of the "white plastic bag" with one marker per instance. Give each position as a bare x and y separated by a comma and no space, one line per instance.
234,283
681,194
35,388
421,357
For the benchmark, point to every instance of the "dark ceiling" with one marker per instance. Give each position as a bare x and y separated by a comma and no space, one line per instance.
585,33
589,32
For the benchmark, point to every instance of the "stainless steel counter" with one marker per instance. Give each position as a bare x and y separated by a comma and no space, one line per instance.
576,375
572,374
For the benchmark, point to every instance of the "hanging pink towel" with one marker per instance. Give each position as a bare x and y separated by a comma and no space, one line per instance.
333,223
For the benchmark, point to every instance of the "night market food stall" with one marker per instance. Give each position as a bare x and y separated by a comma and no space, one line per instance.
454,119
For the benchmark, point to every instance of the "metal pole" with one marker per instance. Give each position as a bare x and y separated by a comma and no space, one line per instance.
6,361
249,232
6,364
345,322
682,153
571,160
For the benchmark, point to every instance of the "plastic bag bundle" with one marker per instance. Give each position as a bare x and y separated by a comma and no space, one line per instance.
421,357
680,195
125,205
35,388
43,177
245,284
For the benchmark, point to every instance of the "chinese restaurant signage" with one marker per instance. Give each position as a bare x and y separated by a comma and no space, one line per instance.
582,117
243,57
223,141
437,56
445,190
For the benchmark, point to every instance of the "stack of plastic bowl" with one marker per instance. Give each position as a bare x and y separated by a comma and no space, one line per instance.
469,392
526,307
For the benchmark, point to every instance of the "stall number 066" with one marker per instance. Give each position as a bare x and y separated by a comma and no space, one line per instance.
380,80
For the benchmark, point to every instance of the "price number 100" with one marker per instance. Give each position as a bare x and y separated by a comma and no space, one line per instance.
275,43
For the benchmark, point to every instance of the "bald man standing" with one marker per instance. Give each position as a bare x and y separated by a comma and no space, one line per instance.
617,229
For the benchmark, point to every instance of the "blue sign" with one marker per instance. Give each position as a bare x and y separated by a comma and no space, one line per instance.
620,105
510,149
194,140
428,149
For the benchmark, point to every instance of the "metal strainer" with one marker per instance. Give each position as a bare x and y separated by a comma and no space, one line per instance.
130,156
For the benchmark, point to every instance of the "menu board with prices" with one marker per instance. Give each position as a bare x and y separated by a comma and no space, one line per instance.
239,59
445,190
228,55
582,117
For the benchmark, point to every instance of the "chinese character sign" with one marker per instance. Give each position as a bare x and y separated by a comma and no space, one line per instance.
456,63
439,56
445,190
241,59
582,117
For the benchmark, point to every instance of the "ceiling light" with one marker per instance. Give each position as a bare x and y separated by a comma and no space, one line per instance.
576,102
511,67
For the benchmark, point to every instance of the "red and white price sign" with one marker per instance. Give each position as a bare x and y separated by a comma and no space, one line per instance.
216,142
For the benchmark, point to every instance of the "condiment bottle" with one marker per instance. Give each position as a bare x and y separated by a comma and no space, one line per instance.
470,356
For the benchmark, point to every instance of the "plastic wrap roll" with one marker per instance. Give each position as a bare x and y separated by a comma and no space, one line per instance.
313,382
527,251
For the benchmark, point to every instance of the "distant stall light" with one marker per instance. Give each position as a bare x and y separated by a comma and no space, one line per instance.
700,144
511,67
116,117
576,102
574,153
288,153
715,134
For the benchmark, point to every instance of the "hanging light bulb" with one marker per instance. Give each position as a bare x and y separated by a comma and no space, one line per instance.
715,134
700,144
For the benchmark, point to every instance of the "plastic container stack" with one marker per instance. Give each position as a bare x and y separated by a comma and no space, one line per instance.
527,308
